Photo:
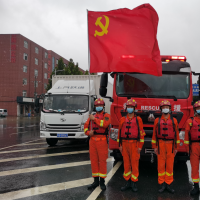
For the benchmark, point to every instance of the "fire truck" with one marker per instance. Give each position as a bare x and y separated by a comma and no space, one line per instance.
175,85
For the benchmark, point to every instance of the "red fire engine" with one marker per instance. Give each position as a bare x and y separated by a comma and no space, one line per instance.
175,85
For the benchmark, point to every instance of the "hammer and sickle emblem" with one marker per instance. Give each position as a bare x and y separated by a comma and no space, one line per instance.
103,28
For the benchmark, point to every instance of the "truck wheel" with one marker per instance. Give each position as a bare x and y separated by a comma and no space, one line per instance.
51,141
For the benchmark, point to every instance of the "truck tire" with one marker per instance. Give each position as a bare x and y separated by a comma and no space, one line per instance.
51,141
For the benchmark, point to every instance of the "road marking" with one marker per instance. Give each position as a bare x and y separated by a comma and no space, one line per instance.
37,149
19,144
49,167
43,156
33,144
45,189
97,191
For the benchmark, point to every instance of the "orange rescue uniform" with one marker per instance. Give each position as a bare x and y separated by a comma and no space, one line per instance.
165,152
194,150
130,151
98,146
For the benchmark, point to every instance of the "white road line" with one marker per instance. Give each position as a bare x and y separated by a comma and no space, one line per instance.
97,191
42,156
33,144
49,167
18,144
37,149
45,189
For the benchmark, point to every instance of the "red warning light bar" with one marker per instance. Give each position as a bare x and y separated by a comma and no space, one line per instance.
170,58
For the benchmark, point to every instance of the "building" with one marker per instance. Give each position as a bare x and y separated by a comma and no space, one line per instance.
25,69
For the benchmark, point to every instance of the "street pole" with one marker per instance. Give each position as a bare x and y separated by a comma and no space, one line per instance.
55,71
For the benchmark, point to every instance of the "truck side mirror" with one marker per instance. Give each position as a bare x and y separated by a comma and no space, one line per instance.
103,84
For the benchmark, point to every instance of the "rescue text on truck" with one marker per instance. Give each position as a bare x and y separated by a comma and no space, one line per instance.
175,85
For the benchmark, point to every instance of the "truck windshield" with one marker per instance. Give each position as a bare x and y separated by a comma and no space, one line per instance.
149,86
66,103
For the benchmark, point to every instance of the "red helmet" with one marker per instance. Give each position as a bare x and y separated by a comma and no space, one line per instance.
196,105
165,103
99,102
131,102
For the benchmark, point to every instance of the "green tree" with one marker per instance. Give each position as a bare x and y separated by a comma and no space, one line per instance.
71,69
87,73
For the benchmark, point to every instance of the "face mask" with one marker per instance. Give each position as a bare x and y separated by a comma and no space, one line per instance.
130,110
198,112
166,110
98,109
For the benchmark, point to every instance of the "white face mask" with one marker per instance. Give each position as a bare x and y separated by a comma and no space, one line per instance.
165,110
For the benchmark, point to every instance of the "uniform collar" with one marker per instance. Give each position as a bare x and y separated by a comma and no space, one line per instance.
162,117
129,117
99,113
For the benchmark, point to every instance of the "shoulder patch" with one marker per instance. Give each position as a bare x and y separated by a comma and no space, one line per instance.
106,118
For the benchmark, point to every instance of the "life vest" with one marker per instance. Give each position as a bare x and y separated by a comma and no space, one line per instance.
165,130
195,131
130,129
97,129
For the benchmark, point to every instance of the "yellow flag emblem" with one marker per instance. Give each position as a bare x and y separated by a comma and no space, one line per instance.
103,28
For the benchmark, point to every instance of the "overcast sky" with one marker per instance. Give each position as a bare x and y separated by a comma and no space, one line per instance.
61,25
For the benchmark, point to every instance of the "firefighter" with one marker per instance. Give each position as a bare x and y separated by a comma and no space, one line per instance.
97,128
131,139
192,140
165,142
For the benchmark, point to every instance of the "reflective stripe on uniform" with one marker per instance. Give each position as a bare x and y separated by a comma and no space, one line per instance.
168,174
101,123
127,174
117,140
195,180
134,177
102,175
178,141
141,140
95,174
186,142
161,174
153,141
86,129
190,124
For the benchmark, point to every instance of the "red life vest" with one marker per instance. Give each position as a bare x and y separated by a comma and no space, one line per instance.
165,130
130,129
195,131
97,129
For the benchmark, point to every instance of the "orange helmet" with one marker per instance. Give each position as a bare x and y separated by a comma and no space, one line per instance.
131,102
196,105
165,103
99,102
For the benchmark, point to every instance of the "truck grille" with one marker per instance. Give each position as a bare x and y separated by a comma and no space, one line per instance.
63,127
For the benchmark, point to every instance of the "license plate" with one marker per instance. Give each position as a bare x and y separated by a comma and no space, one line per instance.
62,135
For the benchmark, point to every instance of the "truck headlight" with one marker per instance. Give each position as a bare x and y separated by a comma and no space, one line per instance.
114,134
82,126
182,135
42,126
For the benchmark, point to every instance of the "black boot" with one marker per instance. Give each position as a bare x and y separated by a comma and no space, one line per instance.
102,184
195,190
127,186
169,189
134,186
162,187
94,184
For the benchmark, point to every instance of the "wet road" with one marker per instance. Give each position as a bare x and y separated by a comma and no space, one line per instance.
31,170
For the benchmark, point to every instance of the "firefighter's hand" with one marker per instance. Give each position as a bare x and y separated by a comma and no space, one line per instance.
175,152
91,133
120,148
92,117
156,151
139,150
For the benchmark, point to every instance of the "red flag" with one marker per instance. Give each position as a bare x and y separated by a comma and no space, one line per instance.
124,40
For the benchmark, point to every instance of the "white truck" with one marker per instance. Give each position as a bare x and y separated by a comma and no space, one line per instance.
66,107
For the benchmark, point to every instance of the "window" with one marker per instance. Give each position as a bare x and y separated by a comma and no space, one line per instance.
36,72
25,56
45,75
36,50
36,61
36,84
45,65
24,81
45,55
26,44
56,61
25,69
24,93
45,86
